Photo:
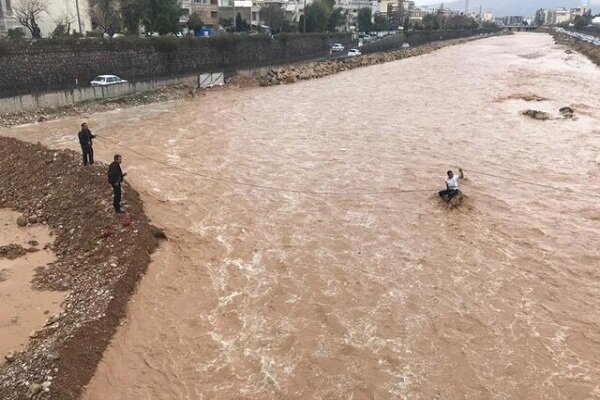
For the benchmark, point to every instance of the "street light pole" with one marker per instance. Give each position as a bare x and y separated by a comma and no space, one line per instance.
234,17
78,17
304,17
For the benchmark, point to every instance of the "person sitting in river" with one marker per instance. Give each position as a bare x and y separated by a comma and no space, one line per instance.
451,185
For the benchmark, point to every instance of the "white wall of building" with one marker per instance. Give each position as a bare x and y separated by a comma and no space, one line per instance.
57,10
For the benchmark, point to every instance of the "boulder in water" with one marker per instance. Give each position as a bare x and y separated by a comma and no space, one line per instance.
536,114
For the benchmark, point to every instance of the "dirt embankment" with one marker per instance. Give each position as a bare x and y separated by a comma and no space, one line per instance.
589,50
100,258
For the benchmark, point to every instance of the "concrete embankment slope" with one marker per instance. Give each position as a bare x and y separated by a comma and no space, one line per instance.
99,259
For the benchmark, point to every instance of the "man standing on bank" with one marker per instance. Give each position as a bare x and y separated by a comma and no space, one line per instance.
451,185
85,140
115,179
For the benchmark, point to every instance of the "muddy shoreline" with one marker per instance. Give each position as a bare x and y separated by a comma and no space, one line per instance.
99,270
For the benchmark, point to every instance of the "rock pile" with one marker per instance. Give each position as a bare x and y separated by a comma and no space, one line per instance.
294,73
100,273
13,251
536,114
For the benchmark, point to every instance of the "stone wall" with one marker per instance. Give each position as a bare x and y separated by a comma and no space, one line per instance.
418,38
34,67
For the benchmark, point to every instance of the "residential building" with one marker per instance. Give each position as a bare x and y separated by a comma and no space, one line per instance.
487,17
7,16
248,10
57,11
558,16
399,11
208,10
350,9
578,12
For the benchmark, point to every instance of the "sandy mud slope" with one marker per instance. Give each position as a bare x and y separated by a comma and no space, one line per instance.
22,250
270,294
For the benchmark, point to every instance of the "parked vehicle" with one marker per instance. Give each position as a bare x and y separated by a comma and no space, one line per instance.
107,80
354,53
405,45
337,47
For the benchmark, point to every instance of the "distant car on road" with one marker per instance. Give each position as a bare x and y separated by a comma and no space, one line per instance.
107,80
405,45
337,47
354,53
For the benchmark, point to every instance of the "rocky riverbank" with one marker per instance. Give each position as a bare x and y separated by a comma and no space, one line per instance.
294,73
287,74
100,258
589,50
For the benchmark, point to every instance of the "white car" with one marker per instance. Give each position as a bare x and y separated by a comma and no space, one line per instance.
337,47
354,53
405,45
106,80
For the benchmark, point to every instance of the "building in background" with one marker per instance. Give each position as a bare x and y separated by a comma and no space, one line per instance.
72,13
247,9
7,16
207,9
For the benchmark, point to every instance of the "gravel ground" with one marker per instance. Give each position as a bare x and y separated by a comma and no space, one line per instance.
100,258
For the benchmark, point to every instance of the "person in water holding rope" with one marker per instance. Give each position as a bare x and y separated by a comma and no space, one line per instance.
451,185
115,179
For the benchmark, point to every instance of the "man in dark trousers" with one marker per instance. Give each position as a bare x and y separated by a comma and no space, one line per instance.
85,140
115,179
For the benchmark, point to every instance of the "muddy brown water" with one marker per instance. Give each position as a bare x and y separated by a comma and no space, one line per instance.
23,309
266,294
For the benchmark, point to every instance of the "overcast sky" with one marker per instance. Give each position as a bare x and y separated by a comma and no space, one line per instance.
423,2
501,8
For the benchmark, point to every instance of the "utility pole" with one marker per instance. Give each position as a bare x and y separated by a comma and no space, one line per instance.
466,7
78,17
304,17
234,17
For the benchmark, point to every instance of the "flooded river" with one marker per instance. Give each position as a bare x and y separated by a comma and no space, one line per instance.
313,276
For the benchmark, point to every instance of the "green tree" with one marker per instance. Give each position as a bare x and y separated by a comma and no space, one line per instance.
317,16
15,34
336,18
381,23
194,22
364,20
273,16
161,16
240,24
431,22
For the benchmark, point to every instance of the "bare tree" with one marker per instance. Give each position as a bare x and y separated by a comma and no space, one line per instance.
63,25
27,11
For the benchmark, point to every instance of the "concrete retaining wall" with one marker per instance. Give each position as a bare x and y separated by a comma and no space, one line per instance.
62,98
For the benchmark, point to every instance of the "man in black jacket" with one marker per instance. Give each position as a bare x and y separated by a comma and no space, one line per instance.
85,140
115,178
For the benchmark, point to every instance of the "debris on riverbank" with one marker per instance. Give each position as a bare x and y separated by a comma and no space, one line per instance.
99,272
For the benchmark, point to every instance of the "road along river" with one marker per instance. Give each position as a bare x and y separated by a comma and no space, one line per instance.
354,293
